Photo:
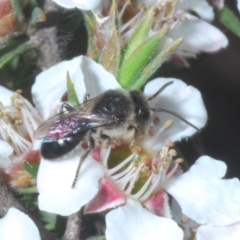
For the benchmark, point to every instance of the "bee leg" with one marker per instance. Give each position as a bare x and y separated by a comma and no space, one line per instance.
66,106
106,139
137,137
83,157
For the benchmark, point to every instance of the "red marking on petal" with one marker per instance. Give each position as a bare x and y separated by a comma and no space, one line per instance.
108,196
96,154
33,156
156,204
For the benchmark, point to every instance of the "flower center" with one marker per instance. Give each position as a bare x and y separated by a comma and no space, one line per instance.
140,174
17,123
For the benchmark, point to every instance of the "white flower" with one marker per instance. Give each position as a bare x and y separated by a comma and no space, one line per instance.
18,120
215,216
81,4
205,193
17,225
197,34
55,177
231,232
238,5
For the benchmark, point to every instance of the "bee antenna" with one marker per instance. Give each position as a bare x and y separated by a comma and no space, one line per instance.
175,115
160,90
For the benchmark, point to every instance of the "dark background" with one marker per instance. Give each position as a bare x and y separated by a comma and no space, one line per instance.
217,76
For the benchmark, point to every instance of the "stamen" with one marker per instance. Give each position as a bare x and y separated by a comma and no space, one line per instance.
123,182
144,187
106,156
156,182
133,180
20,143
123,9
155,138
119,166
121,174
169,174
127,24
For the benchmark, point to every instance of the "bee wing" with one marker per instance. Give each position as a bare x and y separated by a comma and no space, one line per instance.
67,123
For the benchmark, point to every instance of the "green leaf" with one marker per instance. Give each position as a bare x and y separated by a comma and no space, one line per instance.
26,190
19,13
97,238
31,168
111,54
72,96
156,62
113,20
37,16
134,65
50,219
91,25
230,20
139,35
18,50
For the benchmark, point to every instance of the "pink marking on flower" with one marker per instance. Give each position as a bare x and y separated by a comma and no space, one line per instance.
108,196
96,154
156,204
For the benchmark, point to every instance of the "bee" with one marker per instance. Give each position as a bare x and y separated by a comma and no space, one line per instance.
107,116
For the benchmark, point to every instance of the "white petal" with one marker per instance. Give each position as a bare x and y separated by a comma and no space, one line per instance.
198,35
51,84
238,5
87,76
55,179
5,96
18,226
187,224
5,151
81,4
133,222
201,7
230,232
186,101
96,79
203,196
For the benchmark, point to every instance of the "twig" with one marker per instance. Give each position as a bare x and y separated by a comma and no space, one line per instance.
7,201
73,228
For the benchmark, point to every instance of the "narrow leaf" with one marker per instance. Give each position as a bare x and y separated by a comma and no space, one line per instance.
134,65
90,21
156,62
18,50
37,16
97,238
113,19
26,190
111,54
230,20
31,168
139,35
19,13
72,96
